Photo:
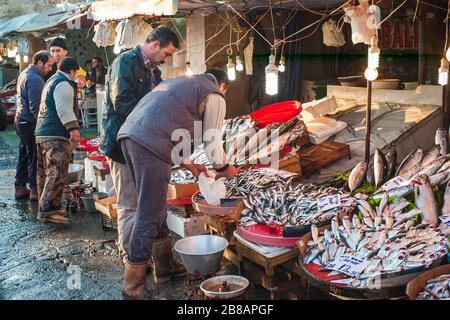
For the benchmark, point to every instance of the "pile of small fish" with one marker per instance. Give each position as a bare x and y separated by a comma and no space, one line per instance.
290,207
436,289
182,177
435,164
232,127
386,236
255,180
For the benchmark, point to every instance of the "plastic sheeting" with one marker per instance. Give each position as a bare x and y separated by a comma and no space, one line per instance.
123,9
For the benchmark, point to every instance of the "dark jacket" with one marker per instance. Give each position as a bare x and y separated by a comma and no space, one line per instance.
48,122
98,76
173,105
29,90
127,81
52,72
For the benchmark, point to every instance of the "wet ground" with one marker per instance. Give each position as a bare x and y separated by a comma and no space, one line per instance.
47,261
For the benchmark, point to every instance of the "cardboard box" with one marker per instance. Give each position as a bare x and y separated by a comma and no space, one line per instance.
186,227
178,191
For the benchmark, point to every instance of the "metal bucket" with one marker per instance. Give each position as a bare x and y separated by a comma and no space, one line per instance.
211,287
202,253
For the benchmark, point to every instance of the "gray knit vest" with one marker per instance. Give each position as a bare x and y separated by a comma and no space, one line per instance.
173,104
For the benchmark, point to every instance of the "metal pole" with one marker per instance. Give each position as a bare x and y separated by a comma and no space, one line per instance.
368,119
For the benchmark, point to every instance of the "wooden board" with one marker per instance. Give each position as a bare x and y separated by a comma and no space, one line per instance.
320,155
223,226
107,206
268,264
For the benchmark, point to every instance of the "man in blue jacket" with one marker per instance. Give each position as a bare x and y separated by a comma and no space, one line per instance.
29,90
131,76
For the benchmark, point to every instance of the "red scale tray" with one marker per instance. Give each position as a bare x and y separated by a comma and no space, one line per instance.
266,235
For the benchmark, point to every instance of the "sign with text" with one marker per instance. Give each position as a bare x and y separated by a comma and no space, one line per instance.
394,183
445,220
328,202
349,264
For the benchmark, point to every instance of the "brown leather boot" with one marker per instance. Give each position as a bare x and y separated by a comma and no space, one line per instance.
55,216
164,266
134,287
34,194
22,192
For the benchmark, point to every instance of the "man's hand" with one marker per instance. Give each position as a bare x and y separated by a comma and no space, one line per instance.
74,137
195,169
230,173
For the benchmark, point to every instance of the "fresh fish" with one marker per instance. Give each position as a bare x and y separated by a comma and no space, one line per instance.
439,178
414,158
446,207
391,160
445,167
379,167
432,155
426,202
433,167
441,139
370,173
357,175
437,288
401,191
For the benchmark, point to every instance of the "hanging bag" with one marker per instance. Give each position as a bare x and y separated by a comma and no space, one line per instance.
332,36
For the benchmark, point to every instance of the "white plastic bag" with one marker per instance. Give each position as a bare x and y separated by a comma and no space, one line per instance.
332,36
359,17
212,190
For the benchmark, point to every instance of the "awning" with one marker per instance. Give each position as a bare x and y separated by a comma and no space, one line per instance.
46,19
123,9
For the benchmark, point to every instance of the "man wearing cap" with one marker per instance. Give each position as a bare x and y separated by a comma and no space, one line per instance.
56,135
149,148
29,90
58,50
131,76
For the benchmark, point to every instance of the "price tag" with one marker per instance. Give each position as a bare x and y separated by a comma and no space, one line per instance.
349,264
328,202
445,220
394,183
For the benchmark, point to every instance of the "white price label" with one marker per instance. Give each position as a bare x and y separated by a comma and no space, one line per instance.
349,264
394,183
445,220
328,202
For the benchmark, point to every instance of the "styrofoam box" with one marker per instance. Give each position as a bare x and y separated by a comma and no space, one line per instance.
186,227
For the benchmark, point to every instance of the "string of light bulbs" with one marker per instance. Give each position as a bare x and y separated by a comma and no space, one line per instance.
443,69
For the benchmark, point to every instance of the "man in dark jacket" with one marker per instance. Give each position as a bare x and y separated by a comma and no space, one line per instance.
29,90
58,50
98,73
147,140
132,75
56,135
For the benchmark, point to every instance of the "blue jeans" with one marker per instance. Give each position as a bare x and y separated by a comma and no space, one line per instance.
26,166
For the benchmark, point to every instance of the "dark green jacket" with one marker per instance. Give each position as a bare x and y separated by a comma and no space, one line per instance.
127,81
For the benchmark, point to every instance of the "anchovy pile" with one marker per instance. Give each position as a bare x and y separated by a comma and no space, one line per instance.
386,236
182,177
232,127
436,289
255,180
290,208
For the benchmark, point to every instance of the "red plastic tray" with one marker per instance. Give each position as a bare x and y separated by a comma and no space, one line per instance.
262,234
179,202
277,112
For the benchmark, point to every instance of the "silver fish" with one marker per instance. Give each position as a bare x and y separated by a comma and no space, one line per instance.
433,167
357,175
439,178
391,161
379,167
370,173
446,207
414,158
441,140
432,155
425,201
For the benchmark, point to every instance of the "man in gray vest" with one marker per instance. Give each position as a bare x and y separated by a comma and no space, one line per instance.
56,134
146,142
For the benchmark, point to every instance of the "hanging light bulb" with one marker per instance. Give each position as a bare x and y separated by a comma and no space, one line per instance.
371,74
447,54
374,54
18,58
271,77
1,58
231,71
189,71
281,67
239,65
117,49
443,72
25,59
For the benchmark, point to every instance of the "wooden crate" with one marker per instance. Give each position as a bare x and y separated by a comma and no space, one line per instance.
320,155
186,227
107,206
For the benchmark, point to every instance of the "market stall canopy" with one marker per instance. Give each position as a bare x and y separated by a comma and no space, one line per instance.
123,9
46,19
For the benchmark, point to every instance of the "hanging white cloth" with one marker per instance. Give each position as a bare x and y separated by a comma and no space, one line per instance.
132,32
248,57
358,17
332,36
24,46
105,33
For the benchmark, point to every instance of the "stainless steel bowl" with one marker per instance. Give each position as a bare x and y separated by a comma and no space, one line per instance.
238,285
202,253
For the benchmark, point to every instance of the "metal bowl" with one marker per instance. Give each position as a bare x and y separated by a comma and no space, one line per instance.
237,284
75,173
202,253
